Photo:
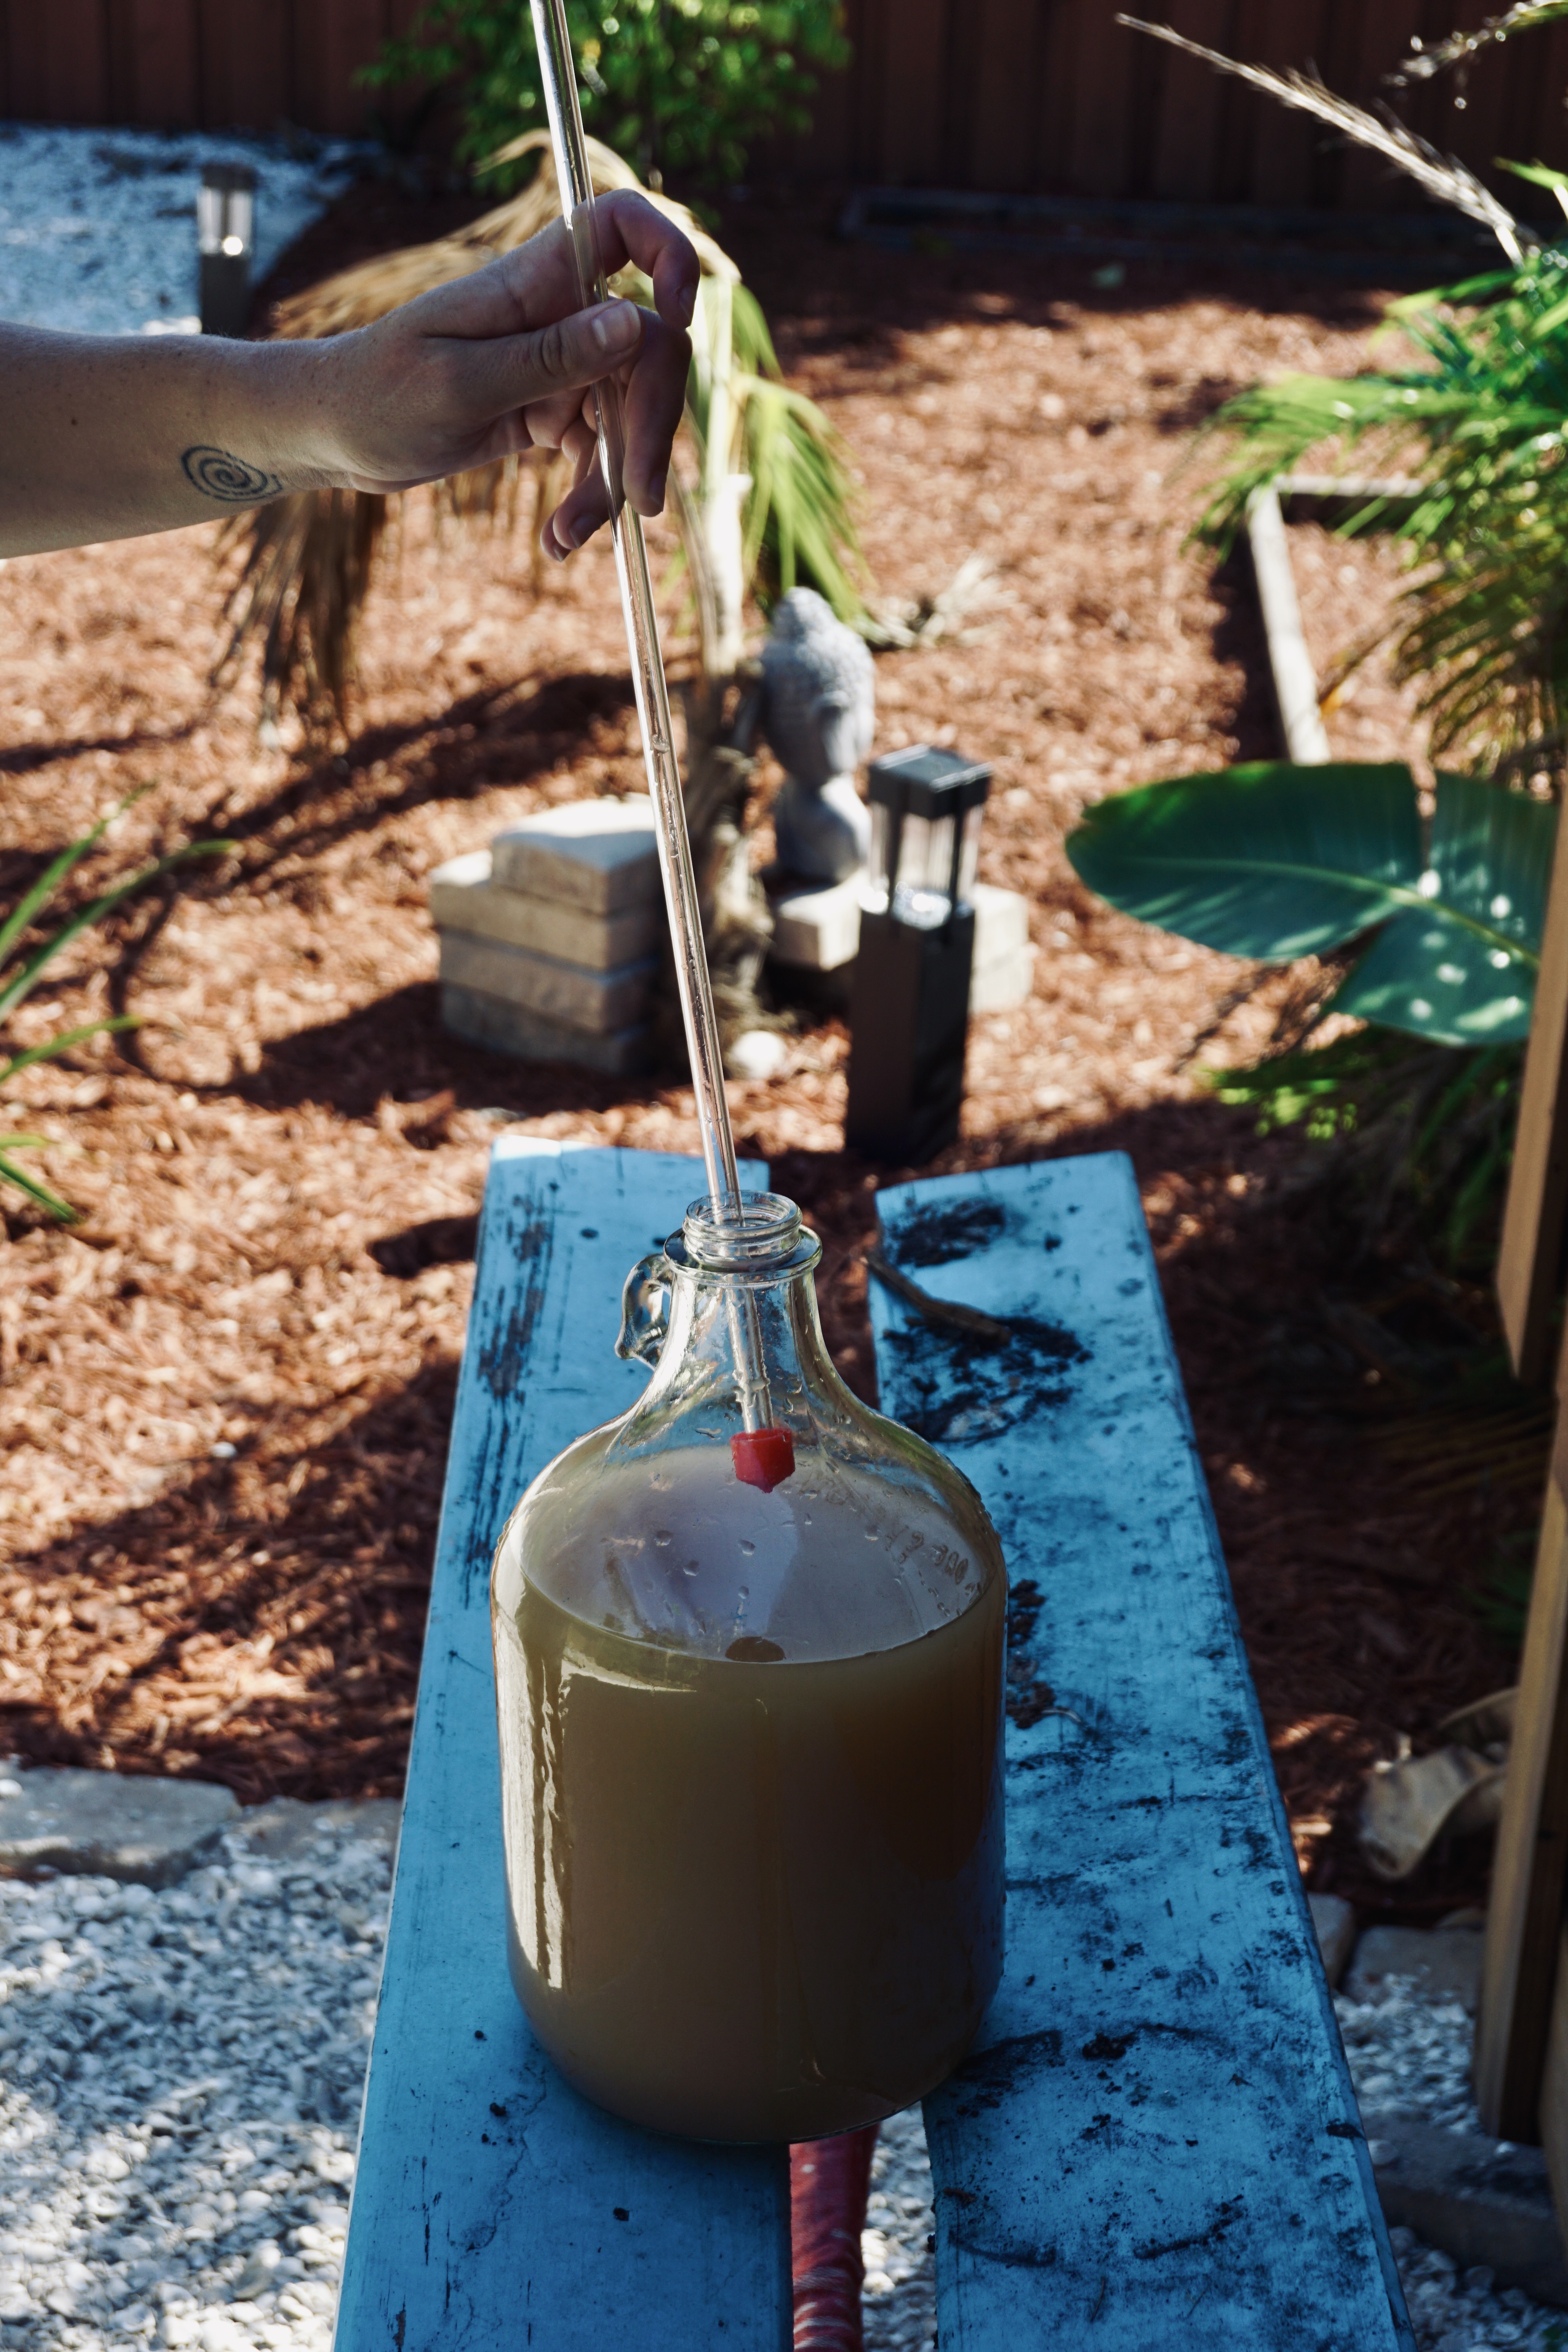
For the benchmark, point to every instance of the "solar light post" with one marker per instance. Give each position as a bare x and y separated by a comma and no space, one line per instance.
225,239
908,1009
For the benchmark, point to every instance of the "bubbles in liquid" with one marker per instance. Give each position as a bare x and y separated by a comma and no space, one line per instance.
662,1538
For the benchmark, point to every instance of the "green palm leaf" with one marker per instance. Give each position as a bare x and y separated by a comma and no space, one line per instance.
1274,861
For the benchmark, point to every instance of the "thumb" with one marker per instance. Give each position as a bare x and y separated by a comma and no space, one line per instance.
513,370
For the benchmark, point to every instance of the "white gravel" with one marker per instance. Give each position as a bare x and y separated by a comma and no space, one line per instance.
899,2297
1412,2057
180,2082
97,229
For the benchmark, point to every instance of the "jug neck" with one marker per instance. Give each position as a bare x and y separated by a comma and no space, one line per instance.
726,1316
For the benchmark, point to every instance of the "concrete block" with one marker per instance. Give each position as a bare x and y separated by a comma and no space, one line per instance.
1335,1923
599,854
1444,1964
284,1828
817,929
508,1029
1001,923
1483,2202
109,1824
600,1002
1004,982
464,897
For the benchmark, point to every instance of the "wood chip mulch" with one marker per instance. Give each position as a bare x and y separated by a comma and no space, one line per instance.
225,1395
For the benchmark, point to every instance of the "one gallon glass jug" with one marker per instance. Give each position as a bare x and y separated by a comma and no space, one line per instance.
749,1672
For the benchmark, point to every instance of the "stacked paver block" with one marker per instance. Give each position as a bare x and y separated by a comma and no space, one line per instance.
817,929
548,937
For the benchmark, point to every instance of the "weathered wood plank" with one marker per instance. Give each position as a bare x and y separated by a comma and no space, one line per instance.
1555,2090
1156,2141
493,2207
1524,1911
1531,1250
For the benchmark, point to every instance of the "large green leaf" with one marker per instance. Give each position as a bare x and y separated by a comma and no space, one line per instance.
1270,860
1461,969
1275,861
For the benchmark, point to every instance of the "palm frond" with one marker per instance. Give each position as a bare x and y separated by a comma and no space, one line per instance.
1443,176
1482,426
800,528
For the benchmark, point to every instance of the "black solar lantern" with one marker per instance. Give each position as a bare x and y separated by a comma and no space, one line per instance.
908,1007
225,239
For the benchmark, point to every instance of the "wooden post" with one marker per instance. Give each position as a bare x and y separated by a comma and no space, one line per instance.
1554,2092
1537,1207
1295,684
1525,1913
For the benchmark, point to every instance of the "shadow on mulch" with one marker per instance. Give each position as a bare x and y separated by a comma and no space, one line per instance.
498,734
261,1625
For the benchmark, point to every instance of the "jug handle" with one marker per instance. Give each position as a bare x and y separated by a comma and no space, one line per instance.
645,1310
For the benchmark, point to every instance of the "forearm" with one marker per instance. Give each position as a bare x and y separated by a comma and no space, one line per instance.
106,437
110,436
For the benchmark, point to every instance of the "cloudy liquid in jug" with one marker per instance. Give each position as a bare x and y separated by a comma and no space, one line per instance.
753,1859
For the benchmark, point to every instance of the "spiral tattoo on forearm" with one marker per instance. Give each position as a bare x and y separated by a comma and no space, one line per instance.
219,474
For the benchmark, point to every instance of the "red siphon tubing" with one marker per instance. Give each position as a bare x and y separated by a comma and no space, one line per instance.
828,2182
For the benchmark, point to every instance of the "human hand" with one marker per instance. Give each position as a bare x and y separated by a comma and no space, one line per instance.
500,363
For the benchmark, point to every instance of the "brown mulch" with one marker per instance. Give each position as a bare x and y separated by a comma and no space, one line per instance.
225,1395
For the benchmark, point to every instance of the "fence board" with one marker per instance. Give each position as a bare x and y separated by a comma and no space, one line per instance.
1009,94
1187,142
914,122
245,63
1005,127
61,54
1283,144
345,36
164,62
1106,152
1369,183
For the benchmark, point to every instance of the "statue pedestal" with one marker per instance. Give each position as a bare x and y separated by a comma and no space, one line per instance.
816,927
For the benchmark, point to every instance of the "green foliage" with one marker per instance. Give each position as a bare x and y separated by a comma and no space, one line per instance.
1275,861
681,85
799,515
1480,425
32,962
1421,1133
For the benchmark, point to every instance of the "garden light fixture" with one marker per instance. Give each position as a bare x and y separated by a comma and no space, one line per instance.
225,239
908,1015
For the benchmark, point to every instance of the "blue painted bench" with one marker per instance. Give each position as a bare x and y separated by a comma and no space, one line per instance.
1154,2145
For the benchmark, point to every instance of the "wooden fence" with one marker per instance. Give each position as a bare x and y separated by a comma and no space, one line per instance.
1048,95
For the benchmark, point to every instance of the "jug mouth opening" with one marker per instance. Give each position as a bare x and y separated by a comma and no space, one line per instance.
766,1232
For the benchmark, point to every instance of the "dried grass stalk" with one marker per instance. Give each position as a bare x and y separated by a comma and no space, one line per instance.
1442,176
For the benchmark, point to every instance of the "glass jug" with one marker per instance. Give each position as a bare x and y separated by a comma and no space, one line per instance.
749,1655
